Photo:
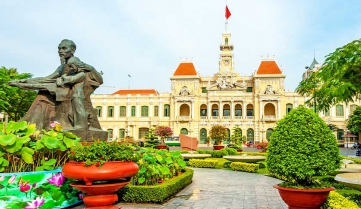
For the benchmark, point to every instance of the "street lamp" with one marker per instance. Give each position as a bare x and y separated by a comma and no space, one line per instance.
262,131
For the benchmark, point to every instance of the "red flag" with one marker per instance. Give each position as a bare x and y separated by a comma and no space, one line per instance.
228,13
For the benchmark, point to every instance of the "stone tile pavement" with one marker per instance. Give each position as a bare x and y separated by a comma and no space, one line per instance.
221,189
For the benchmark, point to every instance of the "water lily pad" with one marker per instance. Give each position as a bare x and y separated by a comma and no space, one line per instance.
50,142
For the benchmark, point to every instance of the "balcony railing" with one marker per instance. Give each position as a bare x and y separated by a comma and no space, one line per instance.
184,117
215,117
270,117
226,117
238,117
203,117
250,117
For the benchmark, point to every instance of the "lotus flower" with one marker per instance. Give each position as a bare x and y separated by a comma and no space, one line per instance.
11,179
35,204
24,187
57,180
2,178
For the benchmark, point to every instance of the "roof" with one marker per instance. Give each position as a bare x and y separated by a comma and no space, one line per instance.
136,91
314,62
185,68
349,135
268,67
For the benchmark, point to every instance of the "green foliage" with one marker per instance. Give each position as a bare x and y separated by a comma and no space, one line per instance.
99,152
354,159
14,101
247,167
301,147
199,163
218,133
23,148
157,166
227,164
163,132
158,193
337,201
354,121
236,137
338,79
352,195
333,127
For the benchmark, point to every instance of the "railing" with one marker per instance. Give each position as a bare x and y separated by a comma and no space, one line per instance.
238,117
270,117
250,117
215,117
226,117
203,117
184,117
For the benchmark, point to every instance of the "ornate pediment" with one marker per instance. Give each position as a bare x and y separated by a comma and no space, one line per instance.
226,80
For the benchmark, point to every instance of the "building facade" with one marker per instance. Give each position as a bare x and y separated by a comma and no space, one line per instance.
254,103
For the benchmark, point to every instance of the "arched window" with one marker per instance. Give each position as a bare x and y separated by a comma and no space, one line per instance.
226,41
339,134
142,132
288,108
250,135
110,111
133,111
121,133
99,111
156,113
269,133
144,112
166,110
203,136
228,139
339,110
184,131
110,133
122,112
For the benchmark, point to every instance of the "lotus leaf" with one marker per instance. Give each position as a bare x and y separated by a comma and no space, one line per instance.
7,139
27,155
50,142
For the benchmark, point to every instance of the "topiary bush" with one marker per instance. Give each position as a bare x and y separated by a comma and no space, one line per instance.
301,147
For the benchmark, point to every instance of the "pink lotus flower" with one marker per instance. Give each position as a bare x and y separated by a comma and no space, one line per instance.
11,180
57,180
2,178
24,187
35,204
53,124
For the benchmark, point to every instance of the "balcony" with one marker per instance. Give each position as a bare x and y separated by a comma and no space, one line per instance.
238,117
203,117
250,117
270,118
184,118
226,117
215,117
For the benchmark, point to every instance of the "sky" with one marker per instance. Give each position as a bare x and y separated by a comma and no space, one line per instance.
147,39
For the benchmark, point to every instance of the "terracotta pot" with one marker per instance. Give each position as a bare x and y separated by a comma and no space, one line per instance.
162,146
239,150
304,198
100,200
108,171
218,147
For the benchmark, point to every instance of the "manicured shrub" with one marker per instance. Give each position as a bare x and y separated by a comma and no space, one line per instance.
302,146
198,163
227,164
337,201
156,194
247,167
230,151
352,195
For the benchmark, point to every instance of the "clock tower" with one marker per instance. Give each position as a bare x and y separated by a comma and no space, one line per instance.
226,63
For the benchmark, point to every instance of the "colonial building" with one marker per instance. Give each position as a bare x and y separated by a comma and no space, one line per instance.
254,103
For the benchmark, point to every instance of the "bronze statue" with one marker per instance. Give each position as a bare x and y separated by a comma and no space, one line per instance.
64,96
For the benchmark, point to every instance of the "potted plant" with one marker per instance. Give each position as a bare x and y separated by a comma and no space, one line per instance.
302,147
218,133
236,139
163,132
101,168
30,165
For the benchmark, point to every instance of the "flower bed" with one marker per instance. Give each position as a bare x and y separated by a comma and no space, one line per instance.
45,189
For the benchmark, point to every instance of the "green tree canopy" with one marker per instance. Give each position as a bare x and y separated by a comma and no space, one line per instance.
218,133
354,121
338,80
14,101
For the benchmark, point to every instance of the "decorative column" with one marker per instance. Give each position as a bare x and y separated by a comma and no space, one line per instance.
175,108
209,112
116,111
260,109
232,109
192,116
151,108
128,108
161,113
220,110
104,109
279,109
346,112
244,109
134,131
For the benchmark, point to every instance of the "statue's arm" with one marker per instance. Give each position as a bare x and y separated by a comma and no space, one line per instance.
94,74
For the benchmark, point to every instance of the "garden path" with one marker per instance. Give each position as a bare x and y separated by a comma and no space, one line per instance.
221,189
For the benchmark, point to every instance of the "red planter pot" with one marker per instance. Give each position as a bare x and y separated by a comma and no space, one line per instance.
162,146
304,198
108,171
218,147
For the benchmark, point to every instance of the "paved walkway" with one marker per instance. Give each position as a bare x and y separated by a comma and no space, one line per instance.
222,189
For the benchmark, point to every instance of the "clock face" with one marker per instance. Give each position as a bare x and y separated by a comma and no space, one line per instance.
226,62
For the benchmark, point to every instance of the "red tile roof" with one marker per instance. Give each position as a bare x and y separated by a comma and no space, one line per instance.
136,91
185,68
268,67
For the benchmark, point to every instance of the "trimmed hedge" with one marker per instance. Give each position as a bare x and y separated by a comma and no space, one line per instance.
247,167
356,160
198,163
156,194
337,201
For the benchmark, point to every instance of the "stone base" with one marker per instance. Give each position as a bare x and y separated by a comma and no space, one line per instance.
91,135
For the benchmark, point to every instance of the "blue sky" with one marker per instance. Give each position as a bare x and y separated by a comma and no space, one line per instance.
148,38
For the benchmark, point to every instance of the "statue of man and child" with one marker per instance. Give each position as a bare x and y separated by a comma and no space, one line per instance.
64,96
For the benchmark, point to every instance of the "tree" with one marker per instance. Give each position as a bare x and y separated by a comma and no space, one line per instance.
163,132
333,127
338,78
236,137
14,101
218,133
354,121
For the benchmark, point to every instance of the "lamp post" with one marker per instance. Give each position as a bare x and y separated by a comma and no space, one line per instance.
262,131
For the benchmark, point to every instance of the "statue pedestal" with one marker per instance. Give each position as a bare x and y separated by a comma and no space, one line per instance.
91,135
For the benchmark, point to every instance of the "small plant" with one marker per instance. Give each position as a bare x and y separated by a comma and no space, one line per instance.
218,133
24,149
301,147
99,152
261,146
163,132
